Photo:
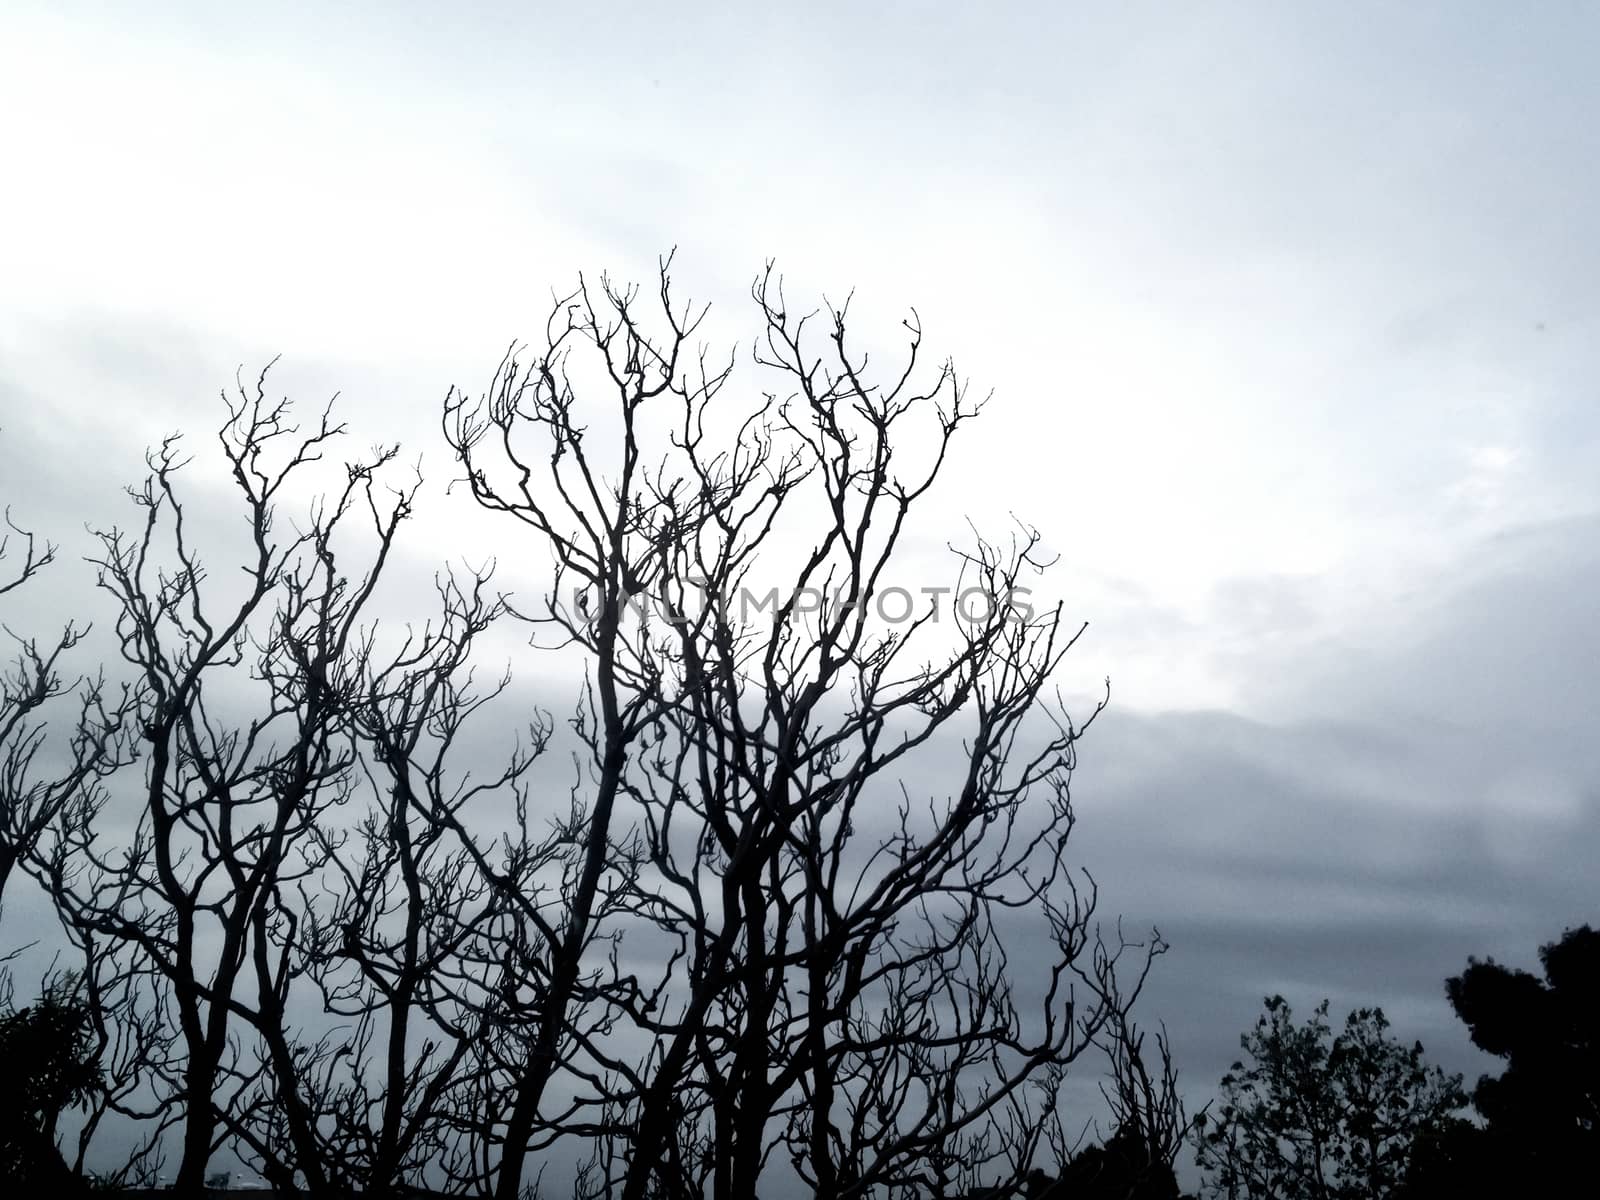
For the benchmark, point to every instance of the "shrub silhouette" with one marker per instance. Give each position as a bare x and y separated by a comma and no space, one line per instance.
1124,1168
50,1065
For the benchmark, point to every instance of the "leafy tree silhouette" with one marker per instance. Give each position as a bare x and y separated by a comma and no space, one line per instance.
1319,1117
1540,1114
48,1049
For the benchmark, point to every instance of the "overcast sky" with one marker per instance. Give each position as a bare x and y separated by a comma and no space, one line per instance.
1290,313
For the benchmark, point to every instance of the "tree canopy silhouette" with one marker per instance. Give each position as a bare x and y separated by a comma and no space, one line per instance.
1315,1116
1541,1114
1547,1030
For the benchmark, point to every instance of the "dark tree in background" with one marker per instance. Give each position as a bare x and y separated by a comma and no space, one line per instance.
1310,1115
1548,1031
1540,1128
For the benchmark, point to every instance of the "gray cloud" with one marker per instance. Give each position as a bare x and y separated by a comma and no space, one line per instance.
1452,809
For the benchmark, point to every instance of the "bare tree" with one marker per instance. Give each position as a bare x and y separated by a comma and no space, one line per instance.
835,986
768,929
1149,1121
33,789
598,548
395,938
246,752
1146,1129
40,779
35,557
